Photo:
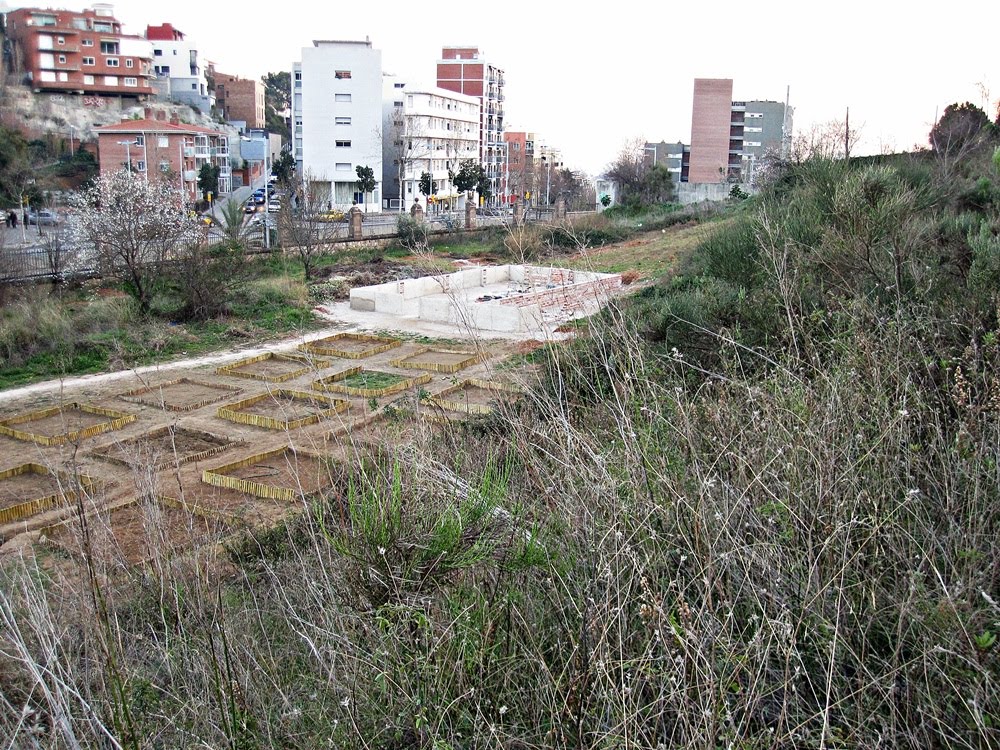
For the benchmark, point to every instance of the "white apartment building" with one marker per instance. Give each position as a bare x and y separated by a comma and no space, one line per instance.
425,129
337,121
176,59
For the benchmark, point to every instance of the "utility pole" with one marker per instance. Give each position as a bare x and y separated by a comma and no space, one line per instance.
847,135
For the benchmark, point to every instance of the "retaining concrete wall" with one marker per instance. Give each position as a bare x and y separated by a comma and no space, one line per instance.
452,298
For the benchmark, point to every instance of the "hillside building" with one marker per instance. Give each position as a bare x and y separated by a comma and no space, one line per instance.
337,121
425,129
79,52
240,100
177,60
465,70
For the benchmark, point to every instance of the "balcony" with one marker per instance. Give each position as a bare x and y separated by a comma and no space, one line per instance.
202,152
190,175
220,151
189,152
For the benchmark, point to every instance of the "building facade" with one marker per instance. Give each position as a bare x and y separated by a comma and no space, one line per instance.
165,149
81,52
425,130
337,121
729,137
669,155
177,59
465,70
240,99
521,180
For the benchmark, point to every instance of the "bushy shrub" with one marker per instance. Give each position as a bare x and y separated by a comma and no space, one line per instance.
412,233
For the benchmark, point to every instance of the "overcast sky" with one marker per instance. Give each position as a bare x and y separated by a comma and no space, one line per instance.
588,75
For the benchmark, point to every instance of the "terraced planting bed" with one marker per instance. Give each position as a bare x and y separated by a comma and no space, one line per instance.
183,394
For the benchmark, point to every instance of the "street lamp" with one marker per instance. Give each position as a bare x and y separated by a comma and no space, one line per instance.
128,151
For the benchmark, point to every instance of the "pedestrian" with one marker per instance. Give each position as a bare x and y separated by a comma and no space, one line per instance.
6,219
13,219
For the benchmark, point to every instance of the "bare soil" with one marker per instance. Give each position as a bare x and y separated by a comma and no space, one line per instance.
65,421
26,487
210,499
271,368
135,533
290,470
165,449
185,395
427,360
475,395
355,346
285,408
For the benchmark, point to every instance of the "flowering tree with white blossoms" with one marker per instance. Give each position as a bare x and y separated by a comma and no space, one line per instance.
136,225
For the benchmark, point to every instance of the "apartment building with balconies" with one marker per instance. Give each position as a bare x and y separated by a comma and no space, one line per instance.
178,60
465,70
79,52
728,138
165,150
337,121
425,129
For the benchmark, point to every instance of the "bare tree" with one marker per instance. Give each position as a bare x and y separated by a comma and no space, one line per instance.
833,139
308,228
628,168
135,225
404,146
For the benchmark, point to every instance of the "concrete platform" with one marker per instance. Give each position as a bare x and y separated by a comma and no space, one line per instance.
511,299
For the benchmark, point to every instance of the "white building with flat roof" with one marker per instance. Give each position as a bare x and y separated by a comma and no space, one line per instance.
337,121
425,129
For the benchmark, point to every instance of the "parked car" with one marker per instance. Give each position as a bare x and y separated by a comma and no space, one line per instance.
274,206
43,218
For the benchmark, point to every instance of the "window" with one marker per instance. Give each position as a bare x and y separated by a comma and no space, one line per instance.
398,85
103,28
130,63
162,141
753,130
62,59
88,80
87,42
342,74
131,81
110,80
194,86
111,62
79,23
397,104
164,166
338,121
140,140
751,143
157,53
754,115
343,166
60,40
342,97
397,143
140,166
343,144
109,48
